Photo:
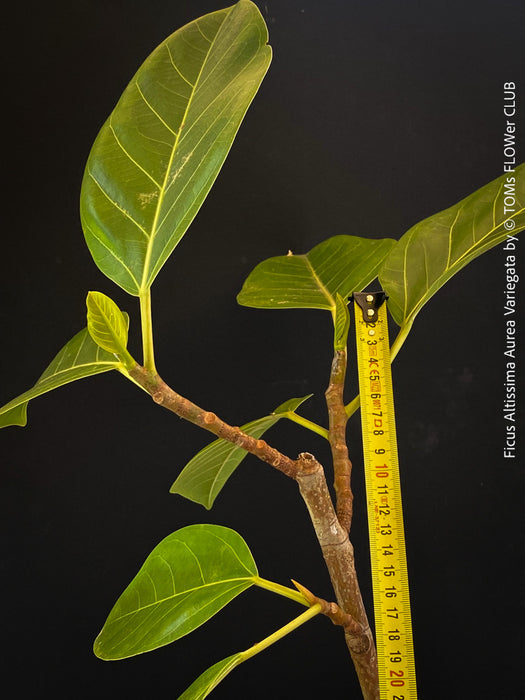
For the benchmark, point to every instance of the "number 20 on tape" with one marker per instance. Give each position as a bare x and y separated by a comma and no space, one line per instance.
395,652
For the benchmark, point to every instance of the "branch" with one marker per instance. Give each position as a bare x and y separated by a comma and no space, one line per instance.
337,437
333,611
164,395
338,554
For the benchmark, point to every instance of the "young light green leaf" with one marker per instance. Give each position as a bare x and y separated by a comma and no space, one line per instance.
210,679
432,251
190,576
108,326
203,477
341,322
157,156
81,357
339,265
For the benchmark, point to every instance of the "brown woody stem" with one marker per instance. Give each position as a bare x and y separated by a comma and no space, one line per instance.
164,395
337,437
338,554
333,611
332,536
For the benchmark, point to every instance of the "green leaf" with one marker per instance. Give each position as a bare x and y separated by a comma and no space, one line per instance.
203,477
81,357
157,156
339,265
290,406
341,322
108,326
210,679
190,576
14,416
432,251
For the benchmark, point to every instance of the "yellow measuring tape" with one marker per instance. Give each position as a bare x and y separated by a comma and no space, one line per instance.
395,652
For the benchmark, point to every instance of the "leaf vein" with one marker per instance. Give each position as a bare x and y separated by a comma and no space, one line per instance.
130,157
153,110
117,206
113,254
238,580
176,68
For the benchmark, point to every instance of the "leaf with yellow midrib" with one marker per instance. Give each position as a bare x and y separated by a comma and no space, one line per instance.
340,265
158,154
433,250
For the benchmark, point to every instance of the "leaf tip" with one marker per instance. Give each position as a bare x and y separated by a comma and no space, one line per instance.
98,649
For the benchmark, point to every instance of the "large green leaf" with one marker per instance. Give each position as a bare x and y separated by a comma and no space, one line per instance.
340,265
81,357
203,477
429,253
187,578
210,679
162,147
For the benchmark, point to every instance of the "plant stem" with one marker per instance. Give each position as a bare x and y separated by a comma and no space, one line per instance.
282,632
333,611
147,330
281,590
339,557
300,420
337,438
164,395
352,407
400,339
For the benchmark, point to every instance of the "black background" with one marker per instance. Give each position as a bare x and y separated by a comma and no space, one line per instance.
372,117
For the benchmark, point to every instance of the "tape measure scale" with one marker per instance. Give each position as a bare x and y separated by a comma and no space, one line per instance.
393,622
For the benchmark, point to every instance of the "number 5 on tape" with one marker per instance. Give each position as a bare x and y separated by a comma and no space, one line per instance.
395,652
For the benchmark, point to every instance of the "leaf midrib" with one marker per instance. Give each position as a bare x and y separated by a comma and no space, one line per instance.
111,328
149,250
98,363
160,257
463,259
188,591
321,286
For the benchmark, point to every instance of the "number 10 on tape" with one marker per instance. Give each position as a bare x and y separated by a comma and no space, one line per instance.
395,652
